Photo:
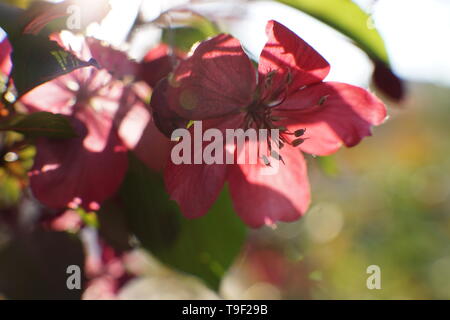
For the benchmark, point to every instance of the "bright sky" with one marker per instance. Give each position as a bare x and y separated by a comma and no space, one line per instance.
416,33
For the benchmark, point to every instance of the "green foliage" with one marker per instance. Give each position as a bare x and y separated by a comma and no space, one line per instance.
328,165
205,247
183,38
37,60
41,124
10,190
194,29
19,3
346,17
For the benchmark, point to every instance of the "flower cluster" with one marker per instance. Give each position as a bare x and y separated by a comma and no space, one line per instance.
217,84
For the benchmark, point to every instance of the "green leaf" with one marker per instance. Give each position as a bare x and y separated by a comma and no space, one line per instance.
183,38
328,165
10,190
348,18
19,3
190,29
41,124
205,247
37,60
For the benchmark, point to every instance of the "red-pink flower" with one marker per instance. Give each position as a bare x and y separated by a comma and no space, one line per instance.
86,170
5,59
219,85
133,117
105,271
158,63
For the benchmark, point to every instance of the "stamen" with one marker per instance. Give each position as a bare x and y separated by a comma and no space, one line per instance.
323,100
300,132
277,118
266,161
259,115
277,156
298,142
269,78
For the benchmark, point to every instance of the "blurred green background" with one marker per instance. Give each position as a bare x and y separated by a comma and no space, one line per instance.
385,202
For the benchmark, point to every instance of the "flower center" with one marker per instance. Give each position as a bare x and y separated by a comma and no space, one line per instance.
259,115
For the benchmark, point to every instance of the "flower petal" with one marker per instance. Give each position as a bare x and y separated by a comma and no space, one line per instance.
290,57
116,62
333,114
138,130
75,171
195,187
5,59
52,96
157,64
265,199
388,82
166,119
218,79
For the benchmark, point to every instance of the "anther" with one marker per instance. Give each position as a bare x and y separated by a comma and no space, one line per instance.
300,132
277,156
266,161
323,100
297,142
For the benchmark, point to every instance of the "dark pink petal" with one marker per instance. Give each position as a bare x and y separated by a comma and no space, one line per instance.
333,114
166,119
194,187
5,60
138,130
116,62
153,148
288,57
388,82
218,79
82,171
157,64
265,199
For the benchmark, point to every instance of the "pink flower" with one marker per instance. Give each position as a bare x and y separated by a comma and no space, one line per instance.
133,117
158,63
105,271
5,60
219,85
86,170
116,62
